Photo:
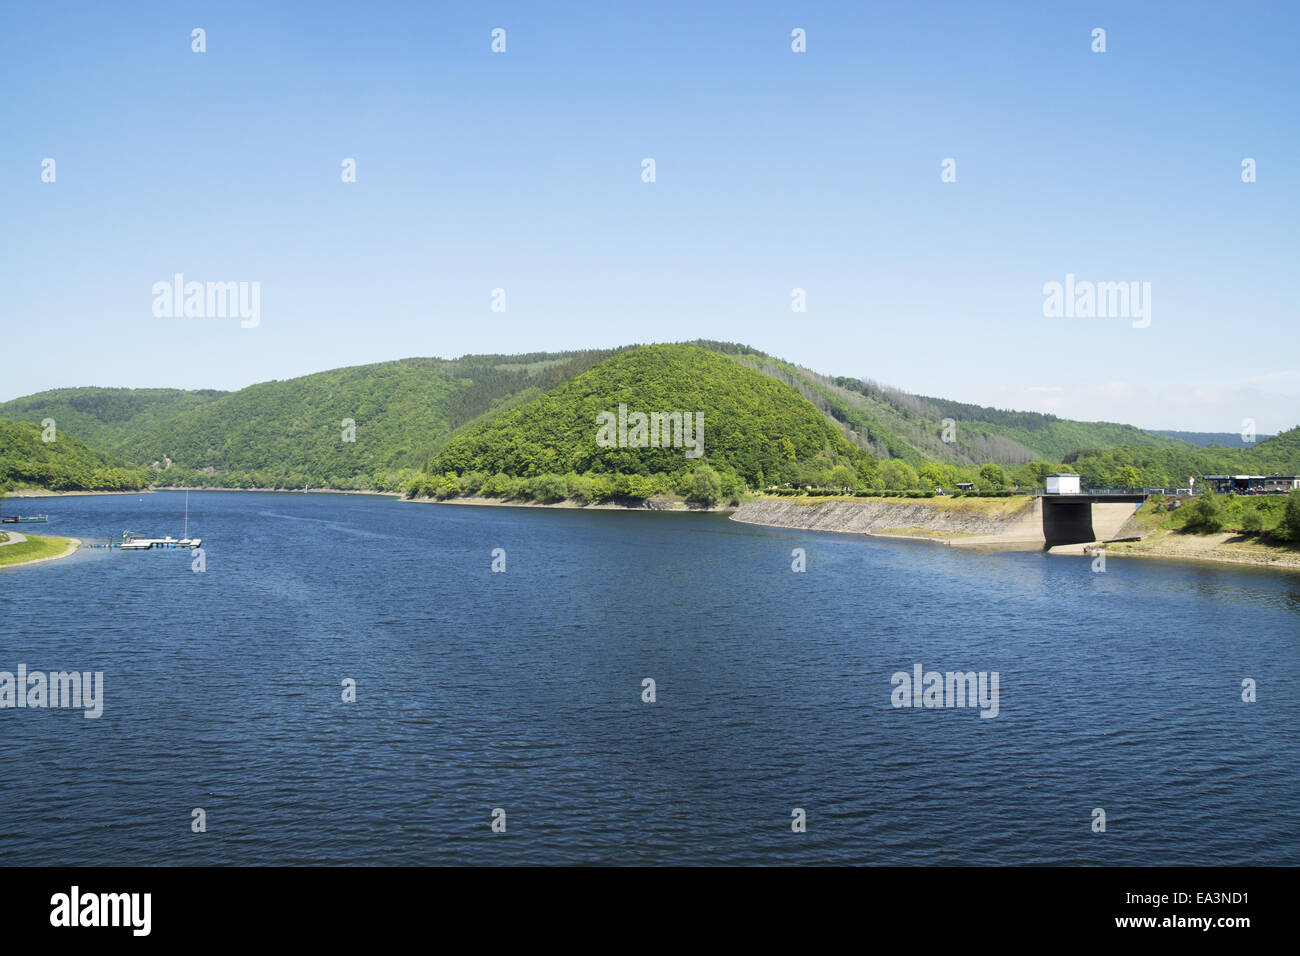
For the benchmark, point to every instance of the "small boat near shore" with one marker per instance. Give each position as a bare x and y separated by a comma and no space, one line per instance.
135,541
24,519
131,541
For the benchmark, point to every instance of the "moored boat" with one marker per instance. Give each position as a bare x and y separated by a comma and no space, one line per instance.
131,541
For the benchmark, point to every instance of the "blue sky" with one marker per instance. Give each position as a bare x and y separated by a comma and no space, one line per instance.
774,171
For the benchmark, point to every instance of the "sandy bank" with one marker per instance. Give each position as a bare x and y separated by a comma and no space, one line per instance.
1222,548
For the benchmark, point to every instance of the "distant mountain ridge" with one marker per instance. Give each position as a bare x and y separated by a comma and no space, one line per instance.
1206,439
891,423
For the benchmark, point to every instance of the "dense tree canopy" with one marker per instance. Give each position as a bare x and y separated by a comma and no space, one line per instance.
753,426
63,464
411,423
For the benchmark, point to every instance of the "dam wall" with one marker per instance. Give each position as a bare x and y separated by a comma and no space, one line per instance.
1003,523
958,521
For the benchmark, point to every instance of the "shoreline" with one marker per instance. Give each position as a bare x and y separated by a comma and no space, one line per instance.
1013,535
650,504
1221,560
280,491
1161,546
1225,548
43,493
73,545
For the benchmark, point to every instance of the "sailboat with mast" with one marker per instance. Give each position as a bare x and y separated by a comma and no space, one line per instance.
187,541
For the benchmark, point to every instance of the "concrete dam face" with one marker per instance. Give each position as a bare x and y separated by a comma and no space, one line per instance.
1067,522
1082,520
1045,521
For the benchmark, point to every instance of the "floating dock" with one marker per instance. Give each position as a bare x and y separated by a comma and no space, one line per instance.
153,544
131,541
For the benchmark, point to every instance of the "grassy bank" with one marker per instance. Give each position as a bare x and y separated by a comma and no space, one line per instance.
34,549
1227,529
1261,517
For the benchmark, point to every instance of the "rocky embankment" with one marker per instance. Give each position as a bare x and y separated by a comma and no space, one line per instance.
992,522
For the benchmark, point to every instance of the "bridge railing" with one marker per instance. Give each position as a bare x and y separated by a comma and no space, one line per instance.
1040,492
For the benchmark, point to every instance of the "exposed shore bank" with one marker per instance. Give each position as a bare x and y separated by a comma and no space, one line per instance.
281,491
650,504
1222,548
46,493
43,493
1007,524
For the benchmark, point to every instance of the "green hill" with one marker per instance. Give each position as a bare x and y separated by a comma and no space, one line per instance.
106,418
756,429
891,423
64,464
408,412
292,433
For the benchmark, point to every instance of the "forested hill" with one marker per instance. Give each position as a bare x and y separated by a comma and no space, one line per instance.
1171,467
379,426
107,418
295,433
27,460
755,429
891,423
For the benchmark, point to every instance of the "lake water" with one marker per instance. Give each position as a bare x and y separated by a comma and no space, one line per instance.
523,691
